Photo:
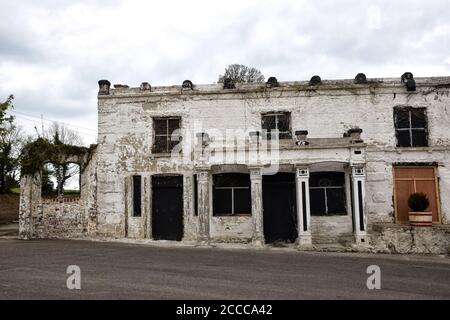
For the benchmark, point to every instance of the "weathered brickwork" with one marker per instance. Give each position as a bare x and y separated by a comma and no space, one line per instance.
326,110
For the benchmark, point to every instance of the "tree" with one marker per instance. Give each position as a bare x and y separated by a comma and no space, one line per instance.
46,184
6,166
240,73
59,134
4,118
11,139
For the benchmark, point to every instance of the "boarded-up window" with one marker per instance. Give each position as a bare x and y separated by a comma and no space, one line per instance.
411,127
327,193
137,196
277,124
231,194
408,180
195,187
166,134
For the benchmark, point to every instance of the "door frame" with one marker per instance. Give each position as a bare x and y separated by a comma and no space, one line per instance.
151,203
264,212
436,183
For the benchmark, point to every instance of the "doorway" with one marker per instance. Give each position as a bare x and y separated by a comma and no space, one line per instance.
167,207
280,209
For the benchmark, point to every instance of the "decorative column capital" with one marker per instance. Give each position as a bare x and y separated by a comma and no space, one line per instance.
358,171
202,172
255,172
302,172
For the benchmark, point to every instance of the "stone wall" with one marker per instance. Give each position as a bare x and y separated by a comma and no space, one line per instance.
332,229
230,229
63,216
394,238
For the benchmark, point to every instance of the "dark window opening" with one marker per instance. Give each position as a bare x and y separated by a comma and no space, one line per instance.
278,124
195,195
166,134
327,194
305,220
411,127
231,194
137,196
360,207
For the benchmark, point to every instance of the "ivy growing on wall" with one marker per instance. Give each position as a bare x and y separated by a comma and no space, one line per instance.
35,154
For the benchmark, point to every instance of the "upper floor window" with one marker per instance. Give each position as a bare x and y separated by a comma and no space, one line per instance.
231,194
411,127
166,134
277,123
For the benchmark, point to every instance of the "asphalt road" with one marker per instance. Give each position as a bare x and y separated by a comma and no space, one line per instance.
37,270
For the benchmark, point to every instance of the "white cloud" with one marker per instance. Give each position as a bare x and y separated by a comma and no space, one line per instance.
374,17
53,52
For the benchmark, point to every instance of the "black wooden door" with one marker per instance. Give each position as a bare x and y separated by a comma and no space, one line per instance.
279,203
167,207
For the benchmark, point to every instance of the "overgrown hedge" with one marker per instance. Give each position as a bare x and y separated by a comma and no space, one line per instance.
35,154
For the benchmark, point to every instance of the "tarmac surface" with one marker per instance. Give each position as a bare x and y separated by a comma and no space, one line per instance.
36,269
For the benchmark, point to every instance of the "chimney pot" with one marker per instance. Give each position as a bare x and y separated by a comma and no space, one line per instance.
315,80
145,86
360,78
272,82
103,87
187,84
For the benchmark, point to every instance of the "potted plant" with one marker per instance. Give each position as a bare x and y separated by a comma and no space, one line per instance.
418,203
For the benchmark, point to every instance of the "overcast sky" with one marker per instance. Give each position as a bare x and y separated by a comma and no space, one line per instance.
53,52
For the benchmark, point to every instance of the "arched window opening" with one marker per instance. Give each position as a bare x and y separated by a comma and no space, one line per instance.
60,179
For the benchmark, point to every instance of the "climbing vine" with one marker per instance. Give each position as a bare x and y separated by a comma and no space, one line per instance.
35,154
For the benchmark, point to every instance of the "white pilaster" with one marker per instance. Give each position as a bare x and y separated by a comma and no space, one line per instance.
257,206
359,214
203,204
303,207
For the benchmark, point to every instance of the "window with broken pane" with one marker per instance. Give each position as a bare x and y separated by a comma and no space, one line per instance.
327,193
166,134
411,127
277,124
231,194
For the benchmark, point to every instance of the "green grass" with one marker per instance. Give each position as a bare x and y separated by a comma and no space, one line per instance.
71,191
17,191
14,190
